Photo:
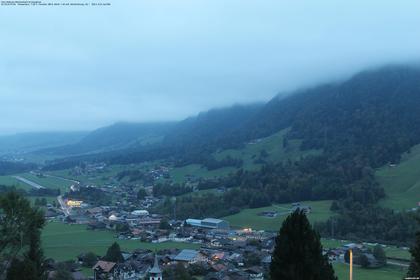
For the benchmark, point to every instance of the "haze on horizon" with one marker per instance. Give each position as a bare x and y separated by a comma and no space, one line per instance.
78,68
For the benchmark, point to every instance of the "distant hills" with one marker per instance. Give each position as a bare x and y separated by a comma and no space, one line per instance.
114,137
29,142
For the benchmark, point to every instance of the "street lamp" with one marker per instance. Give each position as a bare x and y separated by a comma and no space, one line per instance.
351,264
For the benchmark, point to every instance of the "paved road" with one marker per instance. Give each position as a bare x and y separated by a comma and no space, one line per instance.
64,207
26,181
397,263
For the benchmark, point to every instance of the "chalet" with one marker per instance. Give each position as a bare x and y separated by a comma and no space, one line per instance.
105,270
94,211
255,273
132,270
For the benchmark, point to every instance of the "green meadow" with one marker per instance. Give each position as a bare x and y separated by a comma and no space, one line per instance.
272,145
248,218
384,273
9,180
64,241
48,182
401,182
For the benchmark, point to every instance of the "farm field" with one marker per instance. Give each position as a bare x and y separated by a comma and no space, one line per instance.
63,241
48,182
383,273
248,218
401,182
103,177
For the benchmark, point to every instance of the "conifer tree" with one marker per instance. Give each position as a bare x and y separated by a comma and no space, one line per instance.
20,238
414,269
298,252
113,254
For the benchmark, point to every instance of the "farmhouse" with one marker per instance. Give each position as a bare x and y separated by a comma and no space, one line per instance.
104,270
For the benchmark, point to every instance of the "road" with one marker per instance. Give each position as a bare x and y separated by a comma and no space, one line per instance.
26,181
64,207
397,263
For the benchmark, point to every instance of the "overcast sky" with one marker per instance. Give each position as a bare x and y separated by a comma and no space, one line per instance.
78,68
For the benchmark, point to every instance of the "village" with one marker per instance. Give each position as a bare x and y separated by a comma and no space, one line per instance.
221,252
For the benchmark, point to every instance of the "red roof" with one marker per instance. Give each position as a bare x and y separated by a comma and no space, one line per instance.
104,266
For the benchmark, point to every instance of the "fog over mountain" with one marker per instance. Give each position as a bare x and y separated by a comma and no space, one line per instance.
78,68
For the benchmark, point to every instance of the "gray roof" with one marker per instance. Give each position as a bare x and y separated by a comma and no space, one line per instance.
186,255
212,220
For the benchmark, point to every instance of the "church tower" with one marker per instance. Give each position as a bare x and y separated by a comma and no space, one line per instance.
155,272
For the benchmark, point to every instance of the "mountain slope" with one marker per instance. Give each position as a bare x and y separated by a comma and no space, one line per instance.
372,119
374,113
401,182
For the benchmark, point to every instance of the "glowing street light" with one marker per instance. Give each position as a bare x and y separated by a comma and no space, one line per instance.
351,264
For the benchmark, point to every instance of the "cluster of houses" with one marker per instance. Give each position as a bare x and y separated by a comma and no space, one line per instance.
208,263
360,252
217,252
223,255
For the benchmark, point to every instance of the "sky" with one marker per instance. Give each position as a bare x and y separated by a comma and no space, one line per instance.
79,68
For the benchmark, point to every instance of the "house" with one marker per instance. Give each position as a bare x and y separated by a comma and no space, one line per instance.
104,270
94,211
132,270
305,208
255,273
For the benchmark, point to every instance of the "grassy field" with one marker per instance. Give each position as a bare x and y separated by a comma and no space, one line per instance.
63,242
48,182
391,251
10,181
105,176
273,145
402,182
249,218
383,273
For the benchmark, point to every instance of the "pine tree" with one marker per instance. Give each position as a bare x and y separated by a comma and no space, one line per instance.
298,252
113,254
20,238
379,254
414,269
